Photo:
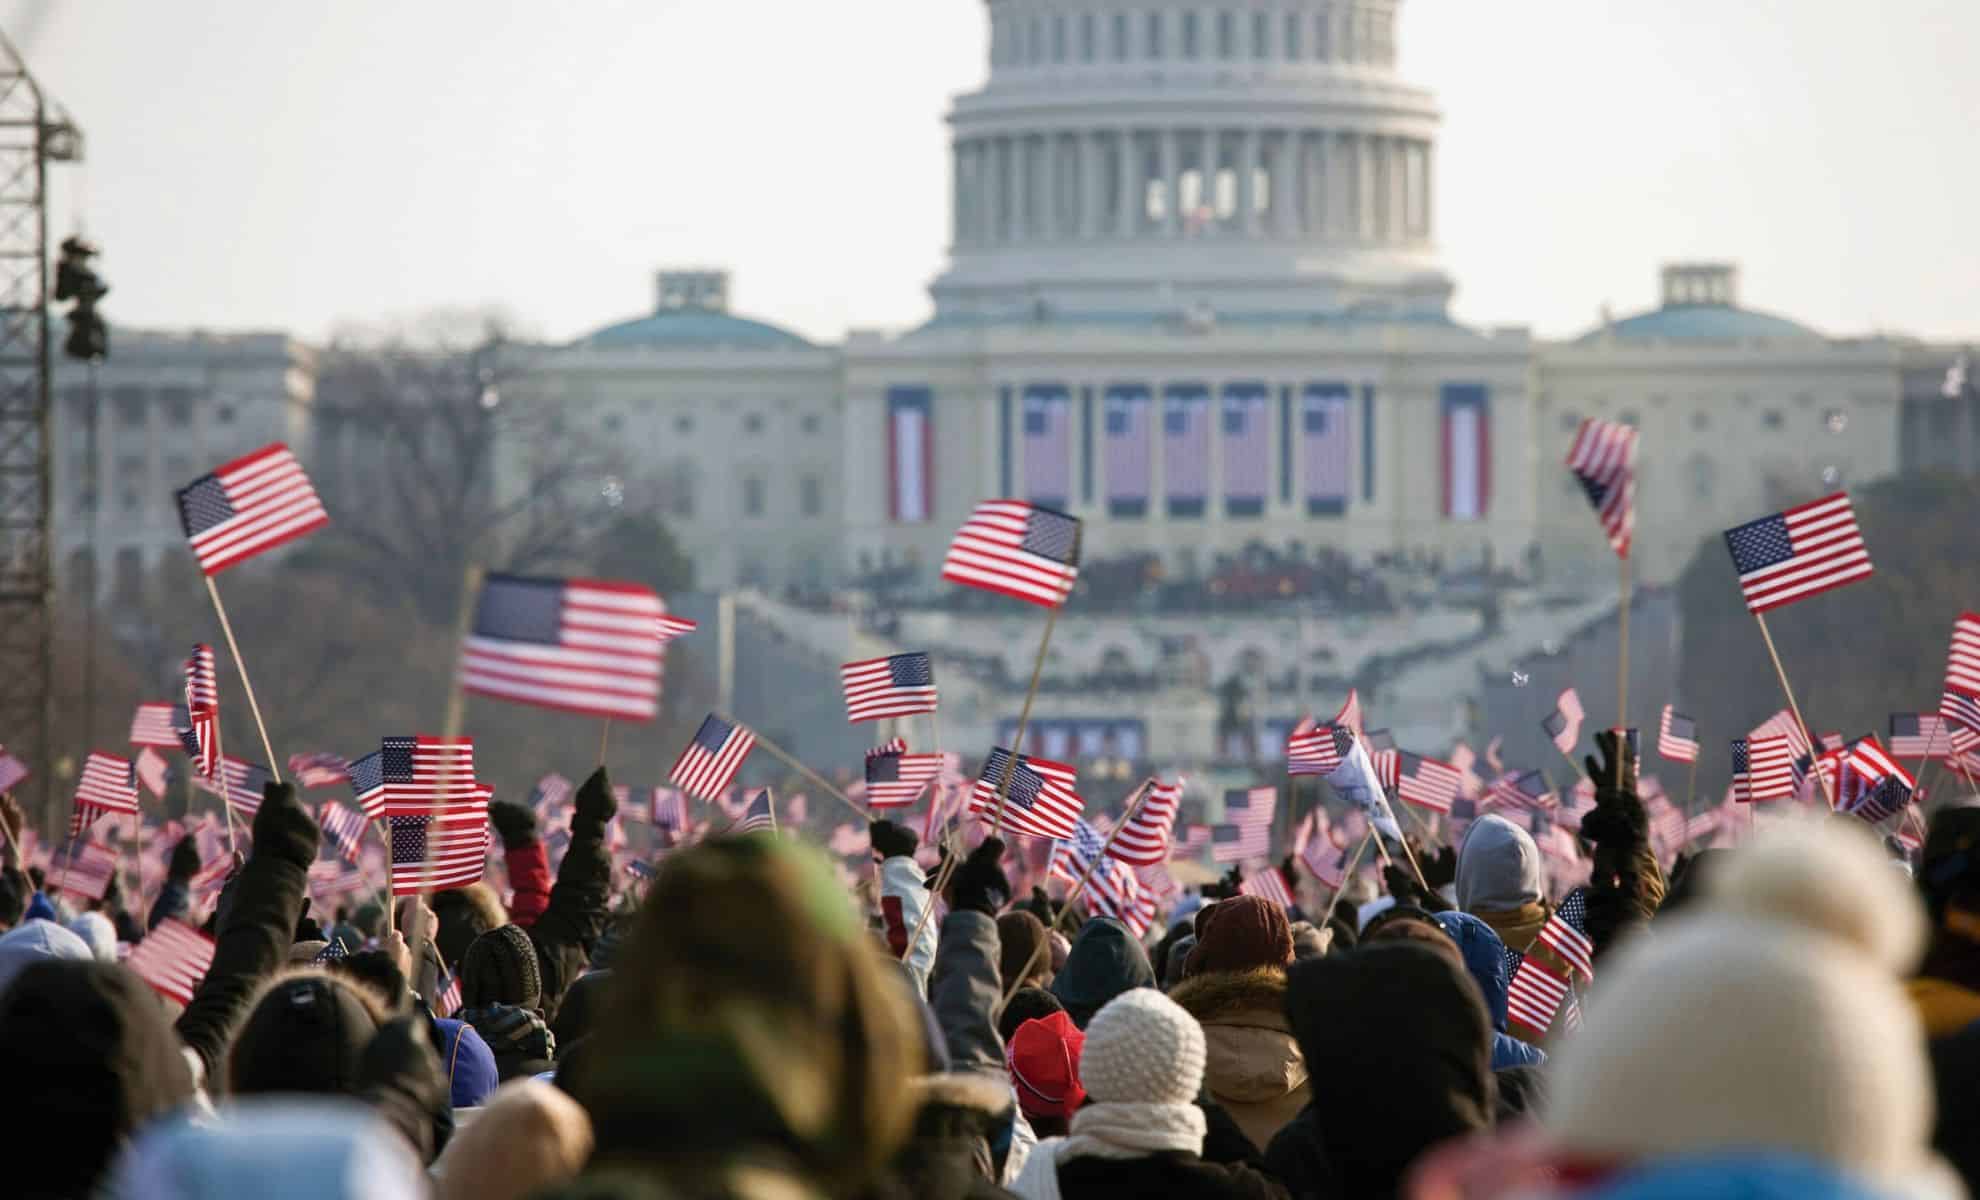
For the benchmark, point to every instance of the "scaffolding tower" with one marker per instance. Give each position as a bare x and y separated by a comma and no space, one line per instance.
29,140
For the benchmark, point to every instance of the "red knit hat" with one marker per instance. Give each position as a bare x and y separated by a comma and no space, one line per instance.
1043,1058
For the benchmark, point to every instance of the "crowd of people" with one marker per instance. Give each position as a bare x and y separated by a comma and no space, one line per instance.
1798,1016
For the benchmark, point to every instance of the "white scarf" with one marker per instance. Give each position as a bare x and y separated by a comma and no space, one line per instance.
1111,1131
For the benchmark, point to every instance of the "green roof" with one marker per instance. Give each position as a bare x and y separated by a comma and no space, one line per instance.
693,328
1703,323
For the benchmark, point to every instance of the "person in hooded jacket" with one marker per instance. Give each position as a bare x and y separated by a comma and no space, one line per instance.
1140,1133
1105,961
1234,984
754,1042
1500,880
1407,1026
526,859
580,902
299,1149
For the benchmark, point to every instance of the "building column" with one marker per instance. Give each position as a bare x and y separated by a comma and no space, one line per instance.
1314,212
959,215
1285,185
1020,188
1209,154
1171,176
1364,177
1429,194
1048,187
1399,189
1129,203
1247,188
1092,159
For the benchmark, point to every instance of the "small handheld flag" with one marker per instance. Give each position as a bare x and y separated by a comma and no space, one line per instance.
898,686
1677,736
249,506
173,959
1603,459
1018,550
1800,552
586,646
1042,800
1563,725
712,757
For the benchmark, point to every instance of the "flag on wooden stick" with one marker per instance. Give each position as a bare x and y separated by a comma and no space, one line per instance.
586,646
712,757
1603,459
151,725
173,959
1799,552
248,506
1016,549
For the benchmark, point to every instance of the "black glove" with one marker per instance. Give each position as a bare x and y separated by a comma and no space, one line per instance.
514,823
185,859
979,884
284,829
1290,869
891,840
1440,868
1617,825
1617,770
1226,887
1040,906
595,798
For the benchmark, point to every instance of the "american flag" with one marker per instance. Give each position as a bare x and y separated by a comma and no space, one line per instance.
203,709
367,776
672,628
343,825
334,877
1603,459
172,958
760,814
1563,725
1534,996
1963,659
896,780
1566,934
1667,825
213,873
587,646
1702,825
1325,450
250,505
1018,550
243,783
635,804
898,686
893,745
1919,735
1426,782
319,769
1770,767
1326,861
1186,448
423,774
1042,801
1742,773
1194,841
1802,552
1247,447
1538,987
1677,736
1268,883
1127,455
12,770
1241,842
1144,840
1961,709
712,757
1112,887
151,725
1048,446
448,1002
1880,785
84,869
151,770
433,853
1251,806
1524,790
107,783
550,792
1350,718
1317,750
669,809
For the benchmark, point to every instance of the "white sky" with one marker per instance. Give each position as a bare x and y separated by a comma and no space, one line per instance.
296,165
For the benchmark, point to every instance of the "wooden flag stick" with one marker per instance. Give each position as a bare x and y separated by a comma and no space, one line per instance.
1065,905
1347,873
604,738
1828,787
450,728
1622,651
137,865
779,752
226,627
1024,718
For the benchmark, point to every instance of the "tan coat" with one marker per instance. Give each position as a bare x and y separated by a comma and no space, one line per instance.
1255,1070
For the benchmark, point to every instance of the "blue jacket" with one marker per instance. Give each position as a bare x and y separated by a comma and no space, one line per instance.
1485,958
1739,1176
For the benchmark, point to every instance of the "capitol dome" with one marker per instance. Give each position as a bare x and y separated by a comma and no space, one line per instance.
692,313
1175,155
1701,304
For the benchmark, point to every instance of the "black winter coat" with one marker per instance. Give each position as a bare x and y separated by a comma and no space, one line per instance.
1174,1175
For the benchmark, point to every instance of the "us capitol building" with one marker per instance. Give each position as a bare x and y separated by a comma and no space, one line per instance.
1193,296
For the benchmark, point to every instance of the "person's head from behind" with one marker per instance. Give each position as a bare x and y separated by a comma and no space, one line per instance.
306,1032
748,1012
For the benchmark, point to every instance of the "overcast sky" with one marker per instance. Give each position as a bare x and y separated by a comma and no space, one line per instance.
297,165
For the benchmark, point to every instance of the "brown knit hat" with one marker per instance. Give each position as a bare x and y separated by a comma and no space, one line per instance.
1240,934
1022,936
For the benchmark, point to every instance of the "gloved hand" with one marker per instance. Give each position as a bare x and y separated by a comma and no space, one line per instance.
595,798
1617,770
1290,869
979,883
1224,888
1439,869
283,827
1617,825
514,823
185,859
893,840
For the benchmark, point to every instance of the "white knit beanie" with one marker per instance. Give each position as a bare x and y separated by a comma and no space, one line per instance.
1142,1048
1771,1018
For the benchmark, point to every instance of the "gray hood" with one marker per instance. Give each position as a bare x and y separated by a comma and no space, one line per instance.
1498,867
